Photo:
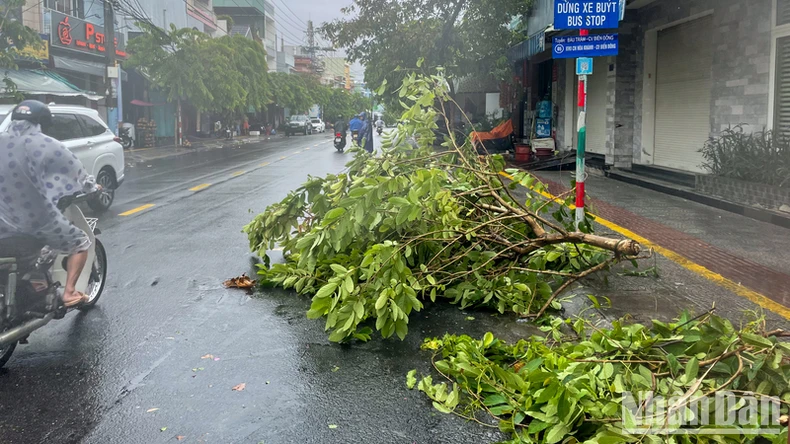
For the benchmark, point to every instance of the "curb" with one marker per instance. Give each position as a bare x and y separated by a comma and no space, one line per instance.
737,208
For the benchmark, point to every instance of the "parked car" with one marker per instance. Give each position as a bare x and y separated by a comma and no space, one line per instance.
87,136
299,125
318,124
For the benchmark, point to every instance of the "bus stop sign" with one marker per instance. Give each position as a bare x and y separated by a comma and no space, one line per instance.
586,14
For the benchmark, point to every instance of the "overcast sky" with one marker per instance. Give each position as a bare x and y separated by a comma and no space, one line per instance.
292,17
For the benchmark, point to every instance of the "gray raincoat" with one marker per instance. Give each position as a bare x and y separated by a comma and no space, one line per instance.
35,172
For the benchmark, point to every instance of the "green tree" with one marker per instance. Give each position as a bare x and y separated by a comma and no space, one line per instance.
466,37
16,37
188,65
248,57
290,91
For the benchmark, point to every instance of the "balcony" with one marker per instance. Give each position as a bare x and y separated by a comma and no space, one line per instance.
202,11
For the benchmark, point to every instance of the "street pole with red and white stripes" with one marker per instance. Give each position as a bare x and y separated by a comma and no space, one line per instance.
582,125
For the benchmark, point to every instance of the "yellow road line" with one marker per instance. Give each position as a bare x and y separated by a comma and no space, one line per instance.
753,296
307,149
283,158
137,210
297,152
238,173
200,187
264,164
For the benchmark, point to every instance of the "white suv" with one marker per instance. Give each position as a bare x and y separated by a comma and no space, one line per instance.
318,124
86,135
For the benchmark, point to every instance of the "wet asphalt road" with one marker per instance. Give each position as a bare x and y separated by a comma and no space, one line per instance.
96,377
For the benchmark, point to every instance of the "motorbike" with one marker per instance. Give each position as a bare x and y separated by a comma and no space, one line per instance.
379,130
228,133
354,135
32,277
340,142
126,139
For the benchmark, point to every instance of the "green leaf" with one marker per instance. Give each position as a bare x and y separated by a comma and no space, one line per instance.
334,214
692,368
441,407
756,341
411,379
349,284
556,433
492,400
488,338
338,269
327,290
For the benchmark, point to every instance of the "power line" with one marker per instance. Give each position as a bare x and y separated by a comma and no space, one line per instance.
289,9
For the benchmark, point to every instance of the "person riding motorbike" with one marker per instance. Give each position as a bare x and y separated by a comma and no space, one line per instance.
356,124
340,126
38,171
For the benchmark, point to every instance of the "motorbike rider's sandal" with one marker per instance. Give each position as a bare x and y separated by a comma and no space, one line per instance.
82,299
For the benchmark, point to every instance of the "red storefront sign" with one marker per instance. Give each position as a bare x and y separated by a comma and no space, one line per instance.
76,34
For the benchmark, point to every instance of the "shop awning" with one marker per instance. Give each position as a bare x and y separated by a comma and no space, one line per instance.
535,44
144,103
37,81
83,66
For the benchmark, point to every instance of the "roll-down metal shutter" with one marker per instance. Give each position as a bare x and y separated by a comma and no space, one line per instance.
683,94
596,106
782,88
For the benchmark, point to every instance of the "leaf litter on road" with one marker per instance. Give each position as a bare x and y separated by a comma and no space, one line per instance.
243,282
152,410
239,387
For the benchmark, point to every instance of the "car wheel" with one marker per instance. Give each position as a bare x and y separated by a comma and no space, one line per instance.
103,200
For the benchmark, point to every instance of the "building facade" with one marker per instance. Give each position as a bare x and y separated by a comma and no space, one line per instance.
258,15
686,70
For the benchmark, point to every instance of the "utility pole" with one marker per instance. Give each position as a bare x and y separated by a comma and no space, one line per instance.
580,150
109,51
311,47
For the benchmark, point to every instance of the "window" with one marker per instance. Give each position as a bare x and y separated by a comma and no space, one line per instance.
71,7
91,126
782,12
65,127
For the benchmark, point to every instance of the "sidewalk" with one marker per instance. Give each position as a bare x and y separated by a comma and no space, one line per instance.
751,254
139,155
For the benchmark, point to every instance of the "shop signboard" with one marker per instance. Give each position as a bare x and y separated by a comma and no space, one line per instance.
78,35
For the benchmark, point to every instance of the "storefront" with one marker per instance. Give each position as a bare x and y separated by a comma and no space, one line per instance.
78,53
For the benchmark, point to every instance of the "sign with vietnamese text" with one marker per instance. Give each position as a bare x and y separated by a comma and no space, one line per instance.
586,14
72,33
585,46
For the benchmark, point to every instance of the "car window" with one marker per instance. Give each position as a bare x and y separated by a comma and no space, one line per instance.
65,127
91,126
316,121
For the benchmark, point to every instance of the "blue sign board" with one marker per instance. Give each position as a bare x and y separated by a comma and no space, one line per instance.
585,46
586,14
584,66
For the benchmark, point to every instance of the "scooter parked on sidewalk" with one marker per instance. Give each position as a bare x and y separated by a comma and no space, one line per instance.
126,138
32,277
228,133
340,142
